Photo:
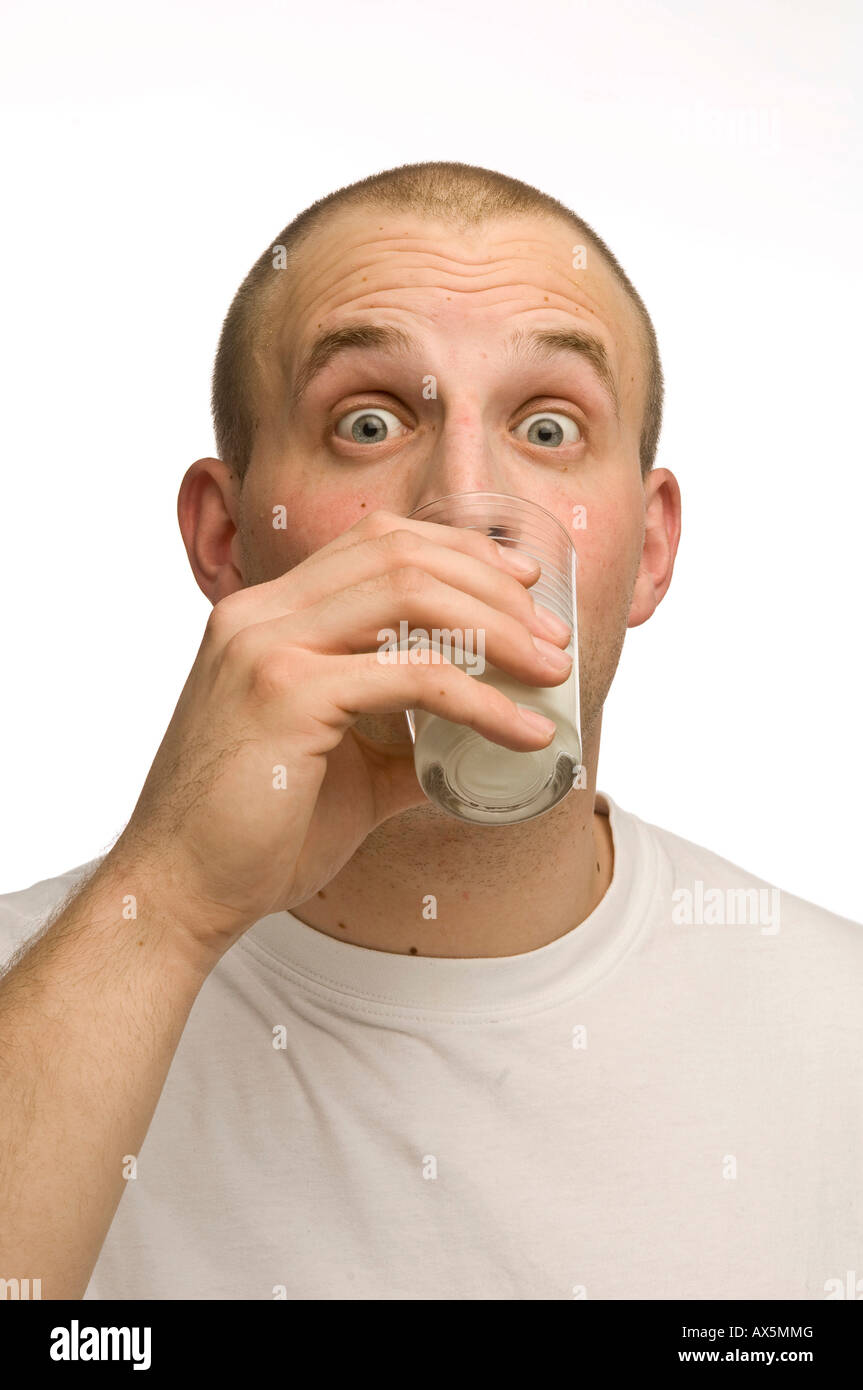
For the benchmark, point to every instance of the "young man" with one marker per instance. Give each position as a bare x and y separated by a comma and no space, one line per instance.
609,1064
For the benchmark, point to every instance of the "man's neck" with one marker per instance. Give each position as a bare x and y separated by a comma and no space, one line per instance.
426,884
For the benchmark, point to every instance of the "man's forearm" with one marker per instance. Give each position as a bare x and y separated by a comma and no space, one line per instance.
90,1018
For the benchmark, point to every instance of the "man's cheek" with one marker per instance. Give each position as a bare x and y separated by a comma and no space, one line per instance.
605,574
288,529
319,517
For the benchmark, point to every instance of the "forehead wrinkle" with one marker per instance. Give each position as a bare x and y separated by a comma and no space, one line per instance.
419,250
317,279
503,260
313,282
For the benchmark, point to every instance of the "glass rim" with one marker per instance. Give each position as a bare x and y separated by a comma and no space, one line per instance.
495,497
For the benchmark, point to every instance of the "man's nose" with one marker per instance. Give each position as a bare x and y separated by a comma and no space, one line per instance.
463,458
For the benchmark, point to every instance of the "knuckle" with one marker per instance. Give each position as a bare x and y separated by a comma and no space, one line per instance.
377,523
408,580
224,617
272,672
400,544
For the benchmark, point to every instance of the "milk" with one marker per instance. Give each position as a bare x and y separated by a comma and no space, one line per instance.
483,781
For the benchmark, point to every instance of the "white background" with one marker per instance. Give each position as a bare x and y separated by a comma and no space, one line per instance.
151,153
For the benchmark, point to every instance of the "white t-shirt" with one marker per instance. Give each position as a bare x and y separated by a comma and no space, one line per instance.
666,1102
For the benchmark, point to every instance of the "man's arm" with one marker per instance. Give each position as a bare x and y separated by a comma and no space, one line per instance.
92,1013
90,1018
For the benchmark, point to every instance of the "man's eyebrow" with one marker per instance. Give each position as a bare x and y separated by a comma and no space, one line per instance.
546,342
381,336
539,343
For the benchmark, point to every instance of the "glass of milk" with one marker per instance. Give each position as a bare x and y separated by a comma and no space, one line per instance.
460,771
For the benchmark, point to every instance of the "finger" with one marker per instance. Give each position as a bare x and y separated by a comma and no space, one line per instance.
363,618
357,685
490,578
379,543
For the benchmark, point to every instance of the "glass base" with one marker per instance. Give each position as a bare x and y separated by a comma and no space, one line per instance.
460,789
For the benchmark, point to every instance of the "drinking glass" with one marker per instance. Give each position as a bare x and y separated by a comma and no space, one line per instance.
469,776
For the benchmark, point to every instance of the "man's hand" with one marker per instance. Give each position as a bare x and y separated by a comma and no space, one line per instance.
284,671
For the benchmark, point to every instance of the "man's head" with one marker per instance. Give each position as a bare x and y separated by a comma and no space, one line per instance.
462,197
489,341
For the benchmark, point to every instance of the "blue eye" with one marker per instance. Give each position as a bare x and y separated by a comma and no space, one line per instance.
368,426
547,430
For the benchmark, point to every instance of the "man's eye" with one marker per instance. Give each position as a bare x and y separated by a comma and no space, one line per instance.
549,430
368,426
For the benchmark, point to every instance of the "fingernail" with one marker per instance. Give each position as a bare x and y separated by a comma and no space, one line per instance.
537,721
551,623
561,661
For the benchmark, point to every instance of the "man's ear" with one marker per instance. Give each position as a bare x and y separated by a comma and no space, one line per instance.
208,512
661,538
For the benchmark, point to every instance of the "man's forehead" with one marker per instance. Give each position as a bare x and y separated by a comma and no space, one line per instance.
359,261
381,248
355,232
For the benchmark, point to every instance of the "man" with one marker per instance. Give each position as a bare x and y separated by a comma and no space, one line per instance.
608,1063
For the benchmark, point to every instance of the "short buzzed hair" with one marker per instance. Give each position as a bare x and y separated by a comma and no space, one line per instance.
463,195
